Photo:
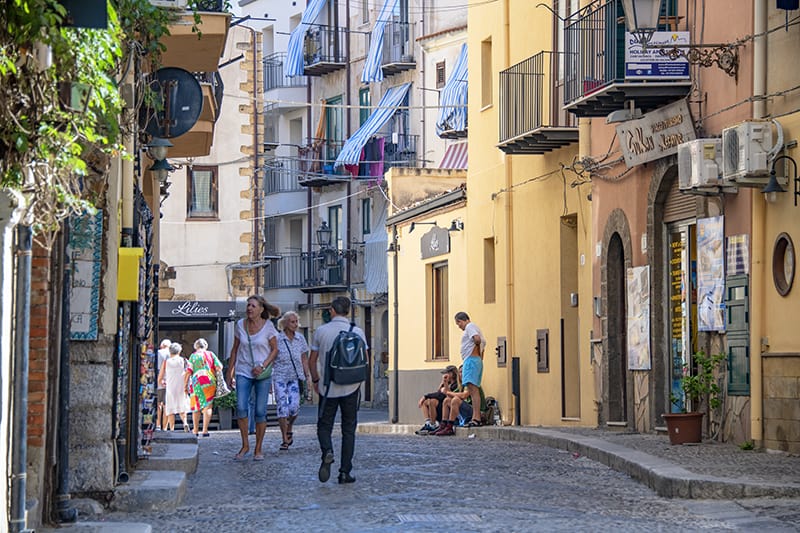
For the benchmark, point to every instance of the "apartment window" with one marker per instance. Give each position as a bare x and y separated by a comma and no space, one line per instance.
486,73
364,11
335,223
366,216
364,104
439,312
334,127
201,192
440,75
488,271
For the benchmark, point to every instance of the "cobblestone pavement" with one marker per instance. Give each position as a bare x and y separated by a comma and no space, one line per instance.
412,483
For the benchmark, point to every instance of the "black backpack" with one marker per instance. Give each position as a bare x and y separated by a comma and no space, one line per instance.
347,359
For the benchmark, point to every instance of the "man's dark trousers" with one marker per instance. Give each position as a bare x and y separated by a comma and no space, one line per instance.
327,414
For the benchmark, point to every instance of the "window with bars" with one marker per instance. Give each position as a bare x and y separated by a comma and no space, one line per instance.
441,75
201,192
439,312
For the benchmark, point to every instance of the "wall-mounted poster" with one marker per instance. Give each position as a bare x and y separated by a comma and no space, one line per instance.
710,275
638,302
85,253
738,255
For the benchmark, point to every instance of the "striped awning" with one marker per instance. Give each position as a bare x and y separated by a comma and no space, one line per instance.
293,66
455,156
453,113
391,100
372,65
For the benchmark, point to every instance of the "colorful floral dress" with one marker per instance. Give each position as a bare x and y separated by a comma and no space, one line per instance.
203,382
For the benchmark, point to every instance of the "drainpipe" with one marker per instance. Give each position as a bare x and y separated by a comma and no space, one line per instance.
509,198
349,129
758,331
256,167
396,340
65,513
19,416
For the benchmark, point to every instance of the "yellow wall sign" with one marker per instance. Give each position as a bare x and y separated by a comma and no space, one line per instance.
128,274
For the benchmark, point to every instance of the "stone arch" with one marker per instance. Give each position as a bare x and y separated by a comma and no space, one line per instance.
617,239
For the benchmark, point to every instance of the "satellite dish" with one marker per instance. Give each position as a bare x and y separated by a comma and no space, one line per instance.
180,101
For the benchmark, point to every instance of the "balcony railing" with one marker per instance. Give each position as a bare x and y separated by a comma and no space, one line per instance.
316,163
281,175
325,270
595,83
285,272
324,50
400,151
531,98
217,6
274,77
398,48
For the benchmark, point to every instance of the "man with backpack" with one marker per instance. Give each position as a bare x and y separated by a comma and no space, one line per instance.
338,364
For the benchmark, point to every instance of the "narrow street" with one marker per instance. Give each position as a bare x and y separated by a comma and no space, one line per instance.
413,483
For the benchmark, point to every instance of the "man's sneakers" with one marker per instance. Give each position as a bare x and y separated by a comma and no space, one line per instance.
445,430
345,477
427,429
325,467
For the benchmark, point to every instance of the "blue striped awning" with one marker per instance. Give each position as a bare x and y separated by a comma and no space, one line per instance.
391,100
372,65
453,113
293,66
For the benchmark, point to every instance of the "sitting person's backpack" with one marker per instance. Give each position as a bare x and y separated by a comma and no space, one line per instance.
347,359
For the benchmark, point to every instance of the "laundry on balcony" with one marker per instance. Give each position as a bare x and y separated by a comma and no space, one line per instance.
453,102
294,55
391,100
455,156
372,65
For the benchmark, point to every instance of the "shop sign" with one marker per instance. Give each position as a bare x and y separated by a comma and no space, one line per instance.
652,64
435,242
657,134
196,309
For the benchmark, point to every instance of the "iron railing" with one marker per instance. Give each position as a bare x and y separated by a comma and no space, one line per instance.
218,88
532,95
324,44
398,43
319,156
274,77
217,6
280,175
403,153
286,272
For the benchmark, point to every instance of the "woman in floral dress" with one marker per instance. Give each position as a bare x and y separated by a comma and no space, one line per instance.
202,384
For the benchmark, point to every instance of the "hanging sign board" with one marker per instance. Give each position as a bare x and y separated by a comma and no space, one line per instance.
657,134
651,64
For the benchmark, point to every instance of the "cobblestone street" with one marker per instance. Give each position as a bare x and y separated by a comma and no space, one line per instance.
412,483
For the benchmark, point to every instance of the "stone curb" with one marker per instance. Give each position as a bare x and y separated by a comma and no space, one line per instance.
177,456
100,527
150,491
664,477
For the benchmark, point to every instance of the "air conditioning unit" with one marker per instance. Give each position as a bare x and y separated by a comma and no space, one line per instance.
700,164
745,152
170,4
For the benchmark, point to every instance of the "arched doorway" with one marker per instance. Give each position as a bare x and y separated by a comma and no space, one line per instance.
617,332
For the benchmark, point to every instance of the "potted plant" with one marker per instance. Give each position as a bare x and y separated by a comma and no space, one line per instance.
698,387
225,407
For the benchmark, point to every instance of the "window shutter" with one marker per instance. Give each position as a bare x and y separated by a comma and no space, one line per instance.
737,318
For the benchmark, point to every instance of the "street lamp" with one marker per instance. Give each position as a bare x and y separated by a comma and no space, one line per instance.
161,168
324,235
157,148
773,188
641,19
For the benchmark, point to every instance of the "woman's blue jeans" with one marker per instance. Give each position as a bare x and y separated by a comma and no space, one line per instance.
245,387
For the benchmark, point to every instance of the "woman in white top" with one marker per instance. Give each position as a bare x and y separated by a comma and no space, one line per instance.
255,347
171,377
288,373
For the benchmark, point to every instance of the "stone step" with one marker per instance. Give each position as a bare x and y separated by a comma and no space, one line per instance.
175,437
100,527
171,456
150,491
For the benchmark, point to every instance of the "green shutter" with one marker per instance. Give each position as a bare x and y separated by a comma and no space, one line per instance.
737,318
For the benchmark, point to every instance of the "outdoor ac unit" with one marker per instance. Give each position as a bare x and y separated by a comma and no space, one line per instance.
745,152
699,163
172,4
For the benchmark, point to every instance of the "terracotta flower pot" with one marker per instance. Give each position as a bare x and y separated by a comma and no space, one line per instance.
684,427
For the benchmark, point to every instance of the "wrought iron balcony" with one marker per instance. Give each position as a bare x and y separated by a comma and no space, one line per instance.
532,120
400,150
325,270
595,78
324,50
398,48
281,175
274,77
284,271
316,164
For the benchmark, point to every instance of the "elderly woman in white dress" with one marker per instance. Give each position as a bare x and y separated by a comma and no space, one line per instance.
171,376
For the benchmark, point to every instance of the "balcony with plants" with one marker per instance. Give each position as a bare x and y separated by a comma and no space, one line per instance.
398,48
324,50
532,118
596,82
316,163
